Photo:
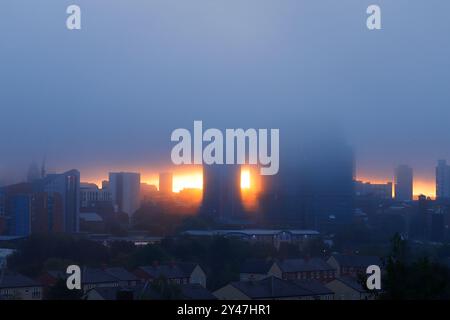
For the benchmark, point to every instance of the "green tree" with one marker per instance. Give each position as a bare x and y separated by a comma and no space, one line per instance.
419,279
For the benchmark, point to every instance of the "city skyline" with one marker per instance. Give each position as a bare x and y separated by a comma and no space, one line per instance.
191,177
224,150
275,66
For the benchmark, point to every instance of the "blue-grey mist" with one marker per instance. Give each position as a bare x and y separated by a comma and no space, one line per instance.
109,95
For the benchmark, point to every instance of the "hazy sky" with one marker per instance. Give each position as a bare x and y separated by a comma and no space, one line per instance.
108,96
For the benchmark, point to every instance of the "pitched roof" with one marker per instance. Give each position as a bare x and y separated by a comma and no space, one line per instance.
357,261
196,292
57,274
166,271
352,283
256,266
107,293
16,280
138,292
302,265
187,267
91,275
121,274
314,286
270,287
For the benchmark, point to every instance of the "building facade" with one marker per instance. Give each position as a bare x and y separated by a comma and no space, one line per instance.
404,183
125,191
442,180
67,185
376,190
90,195
222,192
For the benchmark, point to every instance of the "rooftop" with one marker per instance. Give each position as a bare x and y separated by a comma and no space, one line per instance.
16,280
249,232
270,288
256,266
121,274
167,271
302,265
352,283
196,292
357,261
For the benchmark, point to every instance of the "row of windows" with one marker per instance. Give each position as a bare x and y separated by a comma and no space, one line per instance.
17,293
309,275
95,196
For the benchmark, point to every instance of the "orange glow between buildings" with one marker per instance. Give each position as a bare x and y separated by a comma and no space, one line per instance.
189,180
250,188
245,179
423,186
193,178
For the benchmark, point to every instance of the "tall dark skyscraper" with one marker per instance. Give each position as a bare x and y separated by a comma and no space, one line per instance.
222,192
403,183
125,191
326,183
442,180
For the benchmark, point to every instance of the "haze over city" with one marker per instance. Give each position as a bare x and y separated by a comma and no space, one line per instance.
231,150
108,97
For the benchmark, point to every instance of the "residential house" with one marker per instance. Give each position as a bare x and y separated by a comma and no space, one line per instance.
115,293
352,265
14,286
125,278
196,273
348,288
309,268
258,269
273,288
4,254
90,278
318,289
195,292
146,292
178,273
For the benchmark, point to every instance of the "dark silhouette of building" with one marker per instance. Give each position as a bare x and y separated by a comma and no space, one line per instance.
437,226
403,183
222,192
442,180
326,183
420,219
381,191
125,191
